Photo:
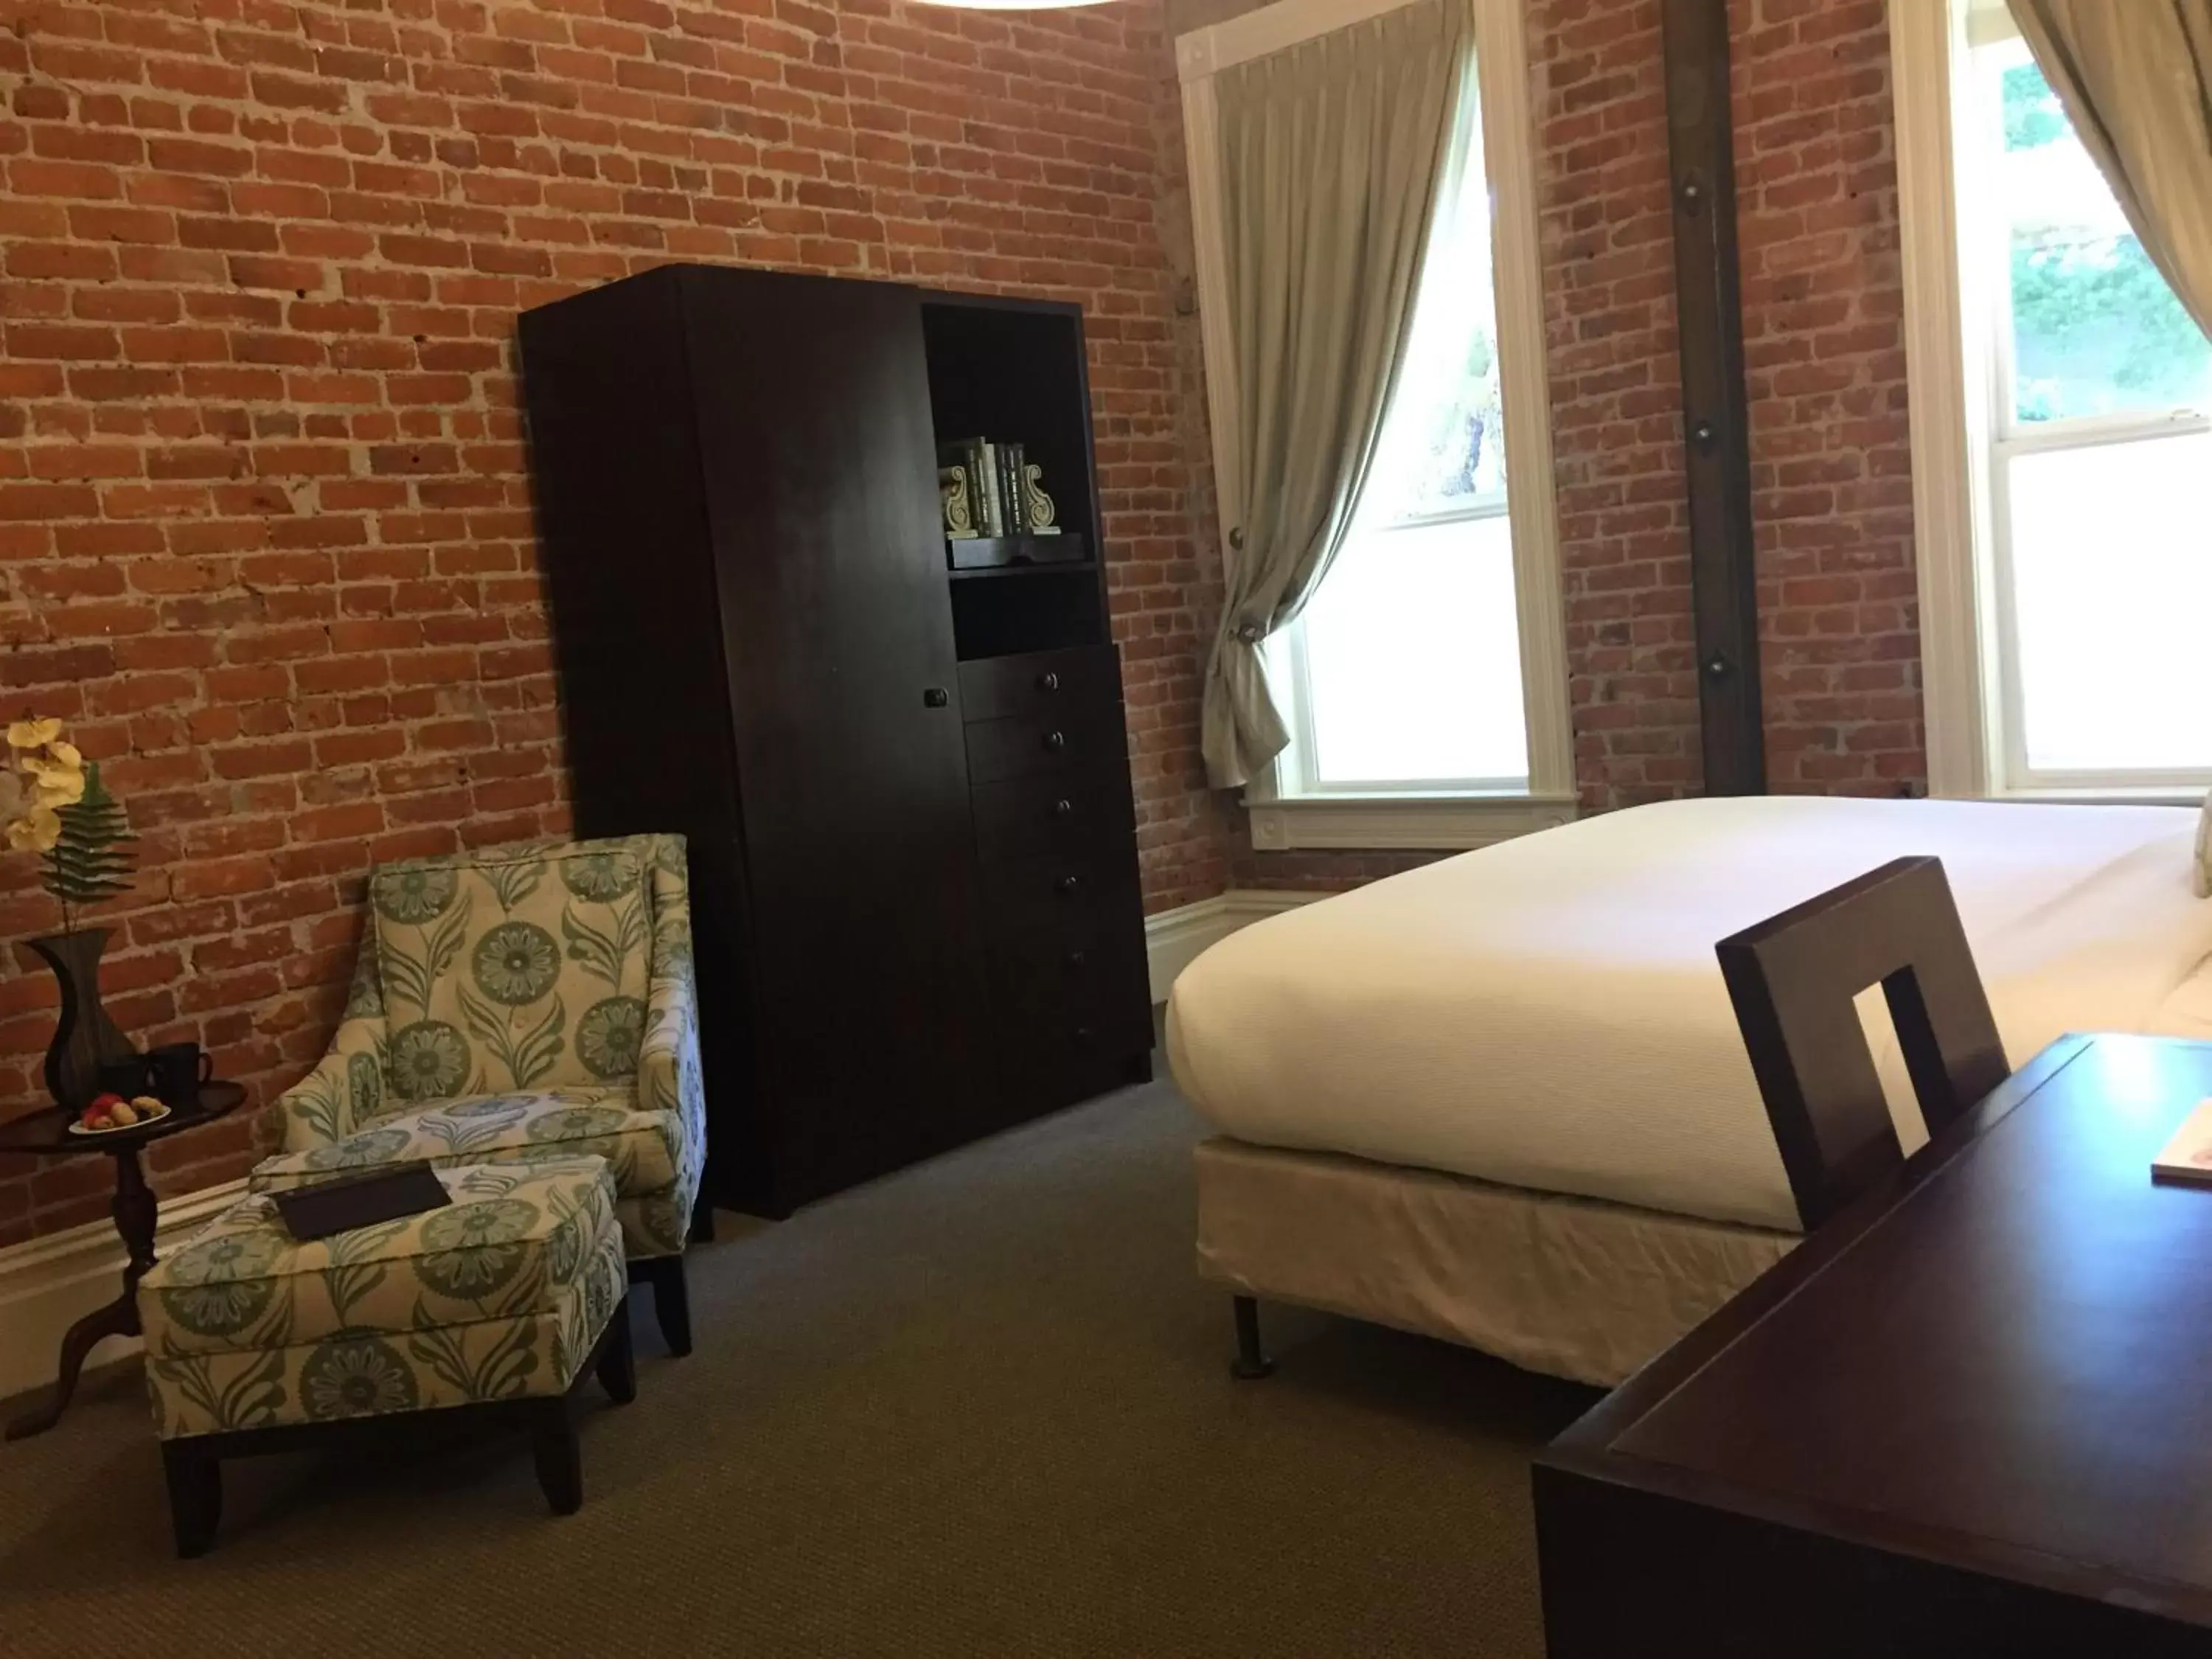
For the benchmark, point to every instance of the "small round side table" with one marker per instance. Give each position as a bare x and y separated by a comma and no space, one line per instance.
46,1134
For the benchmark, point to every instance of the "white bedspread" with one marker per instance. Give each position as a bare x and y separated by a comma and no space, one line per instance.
1548,1012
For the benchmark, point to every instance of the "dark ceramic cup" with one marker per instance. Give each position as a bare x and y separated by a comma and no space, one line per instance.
178,1070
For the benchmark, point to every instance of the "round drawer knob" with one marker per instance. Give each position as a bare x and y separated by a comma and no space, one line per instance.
1083,1034
1063,808
1076,959
1055,741
1047,681
1067,885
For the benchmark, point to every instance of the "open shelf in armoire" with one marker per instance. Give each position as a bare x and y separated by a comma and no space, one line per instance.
1012,371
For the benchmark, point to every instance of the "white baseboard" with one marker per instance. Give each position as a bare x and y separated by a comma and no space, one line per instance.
1174,939
46,1284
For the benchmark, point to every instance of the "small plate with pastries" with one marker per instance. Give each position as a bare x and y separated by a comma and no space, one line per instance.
109,1113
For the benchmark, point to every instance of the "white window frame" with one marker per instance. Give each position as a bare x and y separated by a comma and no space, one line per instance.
1293,775
1970,697
1286,813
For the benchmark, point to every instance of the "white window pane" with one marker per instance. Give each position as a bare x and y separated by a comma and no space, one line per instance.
1443,444
1413,659
2096,330
2111,580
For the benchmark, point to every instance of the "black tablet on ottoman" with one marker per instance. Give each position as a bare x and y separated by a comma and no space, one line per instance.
361,1200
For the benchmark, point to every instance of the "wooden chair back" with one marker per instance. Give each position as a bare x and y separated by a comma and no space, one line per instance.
1792,978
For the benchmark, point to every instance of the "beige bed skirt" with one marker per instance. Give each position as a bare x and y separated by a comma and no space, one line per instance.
1570,1286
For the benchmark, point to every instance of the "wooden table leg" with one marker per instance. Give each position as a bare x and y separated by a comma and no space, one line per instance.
137,1214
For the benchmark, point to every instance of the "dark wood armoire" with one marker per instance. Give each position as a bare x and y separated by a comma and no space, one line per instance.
906,786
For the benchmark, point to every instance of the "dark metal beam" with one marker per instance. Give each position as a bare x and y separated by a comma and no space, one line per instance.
1708,309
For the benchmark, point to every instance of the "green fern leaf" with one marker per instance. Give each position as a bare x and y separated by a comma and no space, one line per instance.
91,860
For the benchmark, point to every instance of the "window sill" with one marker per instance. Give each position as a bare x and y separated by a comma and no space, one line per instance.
1379,824
2159,794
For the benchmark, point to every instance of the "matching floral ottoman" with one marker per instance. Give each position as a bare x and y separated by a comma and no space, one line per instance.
500,1305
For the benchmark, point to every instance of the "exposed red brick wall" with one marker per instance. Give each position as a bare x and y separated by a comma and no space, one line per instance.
1608,251
263,504
1317,871
1824,350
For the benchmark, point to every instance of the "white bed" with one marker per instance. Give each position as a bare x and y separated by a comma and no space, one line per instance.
1544,1019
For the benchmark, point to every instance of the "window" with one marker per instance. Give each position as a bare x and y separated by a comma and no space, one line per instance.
1425,683
2062,646
2102,570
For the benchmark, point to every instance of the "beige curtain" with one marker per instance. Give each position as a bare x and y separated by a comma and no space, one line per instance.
1332,157
2136,76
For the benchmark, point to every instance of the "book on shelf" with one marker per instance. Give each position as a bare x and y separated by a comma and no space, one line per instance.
994,468
993,488
992,512
1010,487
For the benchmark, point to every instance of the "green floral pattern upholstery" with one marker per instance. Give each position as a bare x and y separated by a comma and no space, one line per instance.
346,1089
500,1295
644,1147
519,970
505,1004
669,1079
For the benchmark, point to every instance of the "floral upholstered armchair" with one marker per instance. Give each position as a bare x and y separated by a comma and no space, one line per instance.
519,1005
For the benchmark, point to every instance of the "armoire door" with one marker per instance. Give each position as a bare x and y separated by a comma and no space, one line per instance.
622,518
821,466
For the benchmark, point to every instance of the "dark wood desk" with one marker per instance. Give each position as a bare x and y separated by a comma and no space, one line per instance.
1973,1415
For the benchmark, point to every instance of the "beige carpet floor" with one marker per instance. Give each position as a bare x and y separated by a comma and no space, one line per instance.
981,1408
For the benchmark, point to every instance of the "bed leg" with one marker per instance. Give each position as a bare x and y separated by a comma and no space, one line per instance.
1251,1362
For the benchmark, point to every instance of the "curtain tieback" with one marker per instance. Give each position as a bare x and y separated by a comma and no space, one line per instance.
1250,633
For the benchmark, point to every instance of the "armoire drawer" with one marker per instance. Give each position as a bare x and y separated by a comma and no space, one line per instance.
1050,1067
1086,985
1055,742
1064,814
1039,683
1060,897
1090,962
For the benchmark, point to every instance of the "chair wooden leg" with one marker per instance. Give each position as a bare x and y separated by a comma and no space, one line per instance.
702,1220
671,1298
618,1357
671,1303
195,1481
560,1459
